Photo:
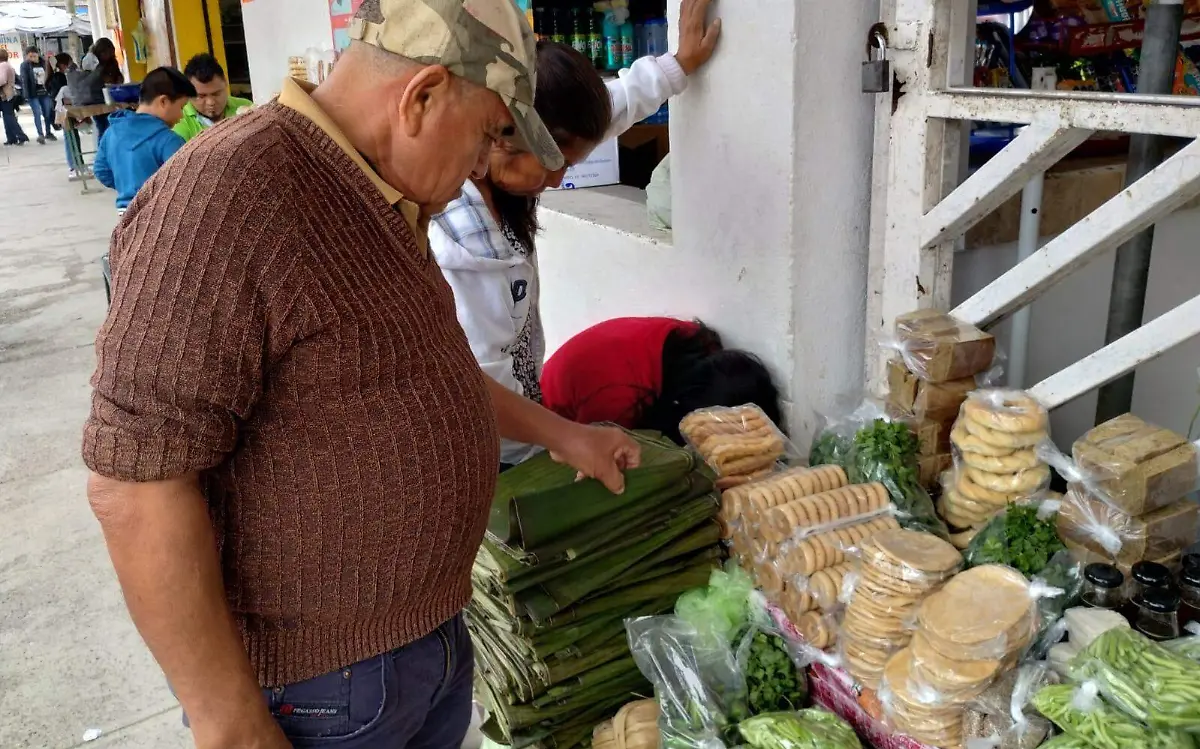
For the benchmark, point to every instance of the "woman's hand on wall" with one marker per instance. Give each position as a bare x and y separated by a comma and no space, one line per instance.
697,37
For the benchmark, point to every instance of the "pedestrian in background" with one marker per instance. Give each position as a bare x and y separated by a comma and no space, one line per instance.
35,81
106,73
13,134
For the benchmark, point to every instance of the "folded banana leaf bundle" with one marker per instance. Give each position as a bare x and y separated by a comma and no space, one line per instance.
564,564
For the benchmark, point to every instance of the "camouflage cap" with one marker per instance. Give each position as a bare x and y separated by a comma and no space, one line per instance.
487,42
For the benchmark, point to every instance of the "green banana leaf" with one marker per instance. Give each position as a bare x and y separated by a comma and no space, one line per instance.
540,500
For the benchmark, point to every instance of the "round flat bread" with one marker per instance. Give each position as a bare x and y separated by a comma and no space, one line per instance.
945,673
923,552
977,613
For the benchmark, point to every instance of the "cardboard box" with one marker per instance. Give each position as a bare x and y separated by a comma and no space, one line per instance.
934,436
1102,529
601,168
1138,467
936,401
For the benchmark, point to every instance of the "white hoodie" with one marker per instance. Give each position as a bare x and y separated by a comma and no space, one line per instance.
495,282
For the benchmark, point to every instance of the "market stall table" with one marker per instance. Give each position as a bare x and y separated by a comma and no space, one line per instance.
70,122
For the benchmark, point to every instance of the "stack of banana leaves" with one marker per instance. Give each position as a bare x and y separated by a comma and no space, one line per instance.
564,563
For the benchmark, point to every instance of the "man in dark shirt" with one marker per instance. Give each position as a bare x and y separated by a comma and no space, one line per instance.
35,81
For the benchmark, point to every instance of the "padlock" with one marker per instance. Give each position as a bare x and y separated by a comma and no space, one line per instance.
877,70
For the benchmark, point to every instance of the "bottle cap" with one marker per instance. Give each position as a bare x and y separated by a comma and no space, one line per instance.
1151,574
1103,575
1160,600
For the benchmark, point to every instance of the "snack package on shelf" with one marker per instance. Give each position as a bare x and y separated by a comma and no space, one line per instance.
813,728
896,570
937,348
738,441
995,458
1156,686
1080,712
1002,716
1137,467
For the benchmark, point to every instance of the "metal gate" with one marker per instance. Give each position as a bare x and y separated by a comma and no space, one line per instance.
921,208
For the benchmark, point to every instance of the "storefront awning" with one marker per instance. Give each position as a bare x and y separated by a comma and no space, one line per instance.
39,19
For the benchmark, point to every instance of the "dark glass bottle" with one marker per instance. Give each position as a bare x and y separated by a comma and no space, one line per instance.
541,22
559,23
1102,585
579,32
1189,595
1144,576
1158,614
595,22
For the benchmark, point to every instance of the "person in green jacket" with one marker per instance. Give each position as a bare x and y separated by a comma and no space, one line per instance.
213,102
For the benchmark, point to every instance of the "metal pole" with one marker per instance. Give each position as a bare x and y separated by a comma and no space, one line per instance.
73,46
1027,244
1127,302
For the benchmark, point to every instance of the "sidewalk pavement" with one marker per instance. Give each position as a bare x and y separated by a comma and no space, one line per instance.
70,659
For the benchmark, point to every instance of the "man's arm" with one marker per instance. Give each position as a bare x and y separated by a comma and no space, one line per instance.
602,453
161,543
101,169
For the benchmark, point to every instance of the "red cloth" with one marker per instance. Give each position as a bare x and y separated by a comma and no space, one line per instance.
606,372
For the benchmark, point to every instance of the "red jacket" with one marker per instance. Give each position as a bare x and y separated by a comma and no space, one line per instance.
607,372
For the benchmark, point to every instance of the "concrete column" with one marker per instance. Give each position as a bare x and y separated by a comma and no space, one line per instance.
771,150
279,29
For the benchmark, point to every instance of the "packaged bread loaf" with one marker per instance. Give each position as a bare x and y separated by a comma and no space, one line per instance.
736,441
936,401
1137,466
937,348
1084,556
1097,526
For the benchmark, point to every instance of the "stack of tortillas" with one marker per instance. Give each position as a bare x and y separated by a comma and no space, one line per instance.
996,463
897,570
972,629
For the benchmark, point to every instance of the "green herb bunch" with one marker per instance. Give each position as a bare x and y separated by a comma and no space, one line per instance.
1017,538
773,681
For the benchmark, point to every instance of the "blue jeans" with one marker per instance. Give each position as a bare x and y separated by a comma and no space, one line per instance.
415,697
43,112
69,143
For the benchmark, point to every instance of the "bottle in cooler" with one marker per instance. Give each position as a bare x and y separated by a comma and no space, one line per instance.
558,25
612,42
627,50
595,38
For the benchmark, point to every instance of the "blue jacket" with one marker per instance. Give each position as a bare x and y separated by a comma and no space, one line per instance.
131,151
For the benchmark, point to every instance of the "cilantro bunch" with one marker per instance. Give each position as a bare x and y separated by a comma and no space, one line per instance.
1017,538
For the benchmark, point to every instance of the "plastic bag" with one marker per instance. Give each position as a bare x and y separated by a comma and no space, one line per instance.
933,401
1000,719
774,681
736,441
1189,645
1153,684
896,570
907,710
701,692
751,500
1135,466
995,458
721,609
937,348
986,613
1081,712
1021,536
825,511
805,729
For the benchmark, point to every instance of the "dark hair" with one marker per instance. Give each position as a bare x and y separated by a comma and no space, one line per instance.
62,58
103,48
699,373
204,67
575,105
167,82
31,50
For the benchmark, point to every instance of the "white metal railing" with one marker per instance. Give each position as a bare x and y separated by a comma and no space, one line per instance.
922,208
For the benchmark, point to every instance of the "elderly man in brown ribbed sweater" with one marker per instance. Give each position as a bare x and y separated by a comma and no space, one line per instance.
293,451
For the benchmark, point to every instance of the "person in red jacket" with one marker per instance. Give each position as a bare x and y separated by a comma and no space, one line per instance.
650,372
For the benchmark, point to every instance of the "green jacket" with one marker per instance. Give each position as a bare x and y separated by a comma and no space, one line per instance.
193,123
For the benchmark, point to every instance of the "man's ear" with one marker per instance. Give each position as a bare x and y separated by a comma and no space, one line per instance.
432,87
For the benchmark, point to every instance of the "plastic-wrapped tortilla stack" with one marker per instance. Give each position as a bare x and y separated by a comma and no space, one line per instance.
897,570
968,632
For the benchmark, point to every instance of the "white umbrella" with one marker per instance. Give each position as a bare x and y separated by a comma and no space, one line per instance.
39,19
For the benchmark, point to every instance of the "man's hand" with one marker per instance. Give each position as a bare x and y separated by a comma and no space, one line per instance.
697,37
600,453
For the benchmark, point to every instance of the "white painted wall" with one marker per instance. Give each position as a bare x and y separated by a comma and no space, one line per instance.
771,173
277,30
1069,322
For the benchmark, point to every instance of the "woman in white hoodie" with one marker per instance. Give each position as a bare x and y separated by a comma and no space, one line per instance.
484,240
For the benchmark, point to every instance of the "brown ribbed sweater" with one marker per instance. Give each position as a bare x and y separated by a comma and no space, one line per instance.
274,327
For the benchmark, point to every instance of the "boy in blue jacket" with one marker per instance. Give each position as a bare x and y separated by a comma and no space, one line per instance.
137,143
